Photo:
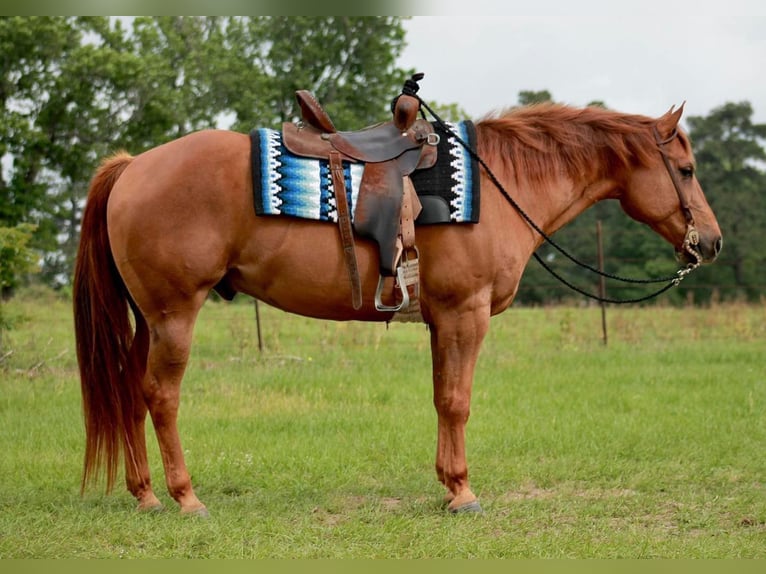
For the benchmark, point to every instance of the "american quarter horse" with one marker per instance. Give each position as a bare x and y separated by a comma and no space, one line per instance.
162,229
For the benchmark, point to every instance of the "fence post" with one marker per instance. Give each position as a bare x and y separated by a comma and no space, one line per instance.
258,326
602,281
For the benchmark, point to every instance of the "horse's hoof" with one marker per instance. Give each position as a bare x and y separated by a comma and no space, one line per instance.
469,508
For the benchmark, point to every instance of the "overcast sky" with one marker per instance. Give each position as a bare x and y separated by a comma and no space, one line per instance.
640,56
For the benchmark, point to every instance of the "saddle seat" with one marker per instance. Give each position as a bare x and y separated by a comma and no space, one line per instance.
387,204
377,143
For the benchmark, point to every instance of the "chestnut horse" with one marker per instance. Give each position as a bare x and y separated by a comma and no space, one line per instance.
163,228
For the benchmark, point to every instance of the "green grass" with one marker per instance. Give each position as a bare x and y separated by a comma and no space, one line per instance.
323,446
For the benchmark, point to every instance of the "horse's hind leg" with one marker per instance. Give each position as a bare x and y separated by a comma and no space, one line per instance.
169,345
136,461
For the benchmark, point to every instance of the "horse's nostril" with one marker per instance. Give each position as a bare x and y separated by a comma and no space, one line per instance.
718,245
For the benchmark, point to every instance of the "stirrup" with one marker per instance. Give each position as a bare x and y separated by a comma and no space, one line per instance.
380,306
407,274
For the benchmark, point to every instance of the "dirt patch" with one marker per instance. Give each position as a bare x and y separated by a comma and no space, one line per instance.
531,491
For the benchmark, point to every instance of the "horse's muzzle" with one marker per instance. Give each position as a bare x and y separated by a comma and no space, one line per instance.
705,251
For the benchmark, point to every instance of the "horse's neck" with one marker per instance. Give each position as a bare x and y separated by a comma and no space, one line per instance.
559,202
570,199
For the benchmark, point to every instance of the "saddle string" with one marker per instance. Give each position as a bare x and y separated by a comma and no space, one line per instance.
671,280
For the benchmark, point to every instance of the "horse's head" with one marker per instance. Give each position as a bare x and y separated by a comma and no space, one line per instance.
666,195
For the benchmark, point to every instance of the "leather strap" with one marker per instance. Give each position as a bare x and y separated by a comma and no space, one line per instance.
672,173
411,208
344,225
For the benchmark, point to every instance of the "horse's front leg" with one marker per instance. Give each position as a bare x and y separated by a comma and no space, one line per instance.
456,338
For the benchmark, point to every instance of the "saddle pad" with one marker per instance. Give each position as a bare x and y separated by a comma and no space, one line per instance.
455,177
287,184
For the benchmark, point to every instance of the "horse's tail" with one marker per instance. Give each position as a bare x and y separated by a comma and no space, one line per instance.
108,359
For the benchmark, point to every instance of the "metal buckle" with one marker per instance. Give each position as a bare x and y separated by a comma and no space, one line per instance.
692,236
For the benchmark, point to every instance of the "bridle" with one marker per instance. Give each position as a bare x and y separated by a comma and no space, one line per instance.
692,237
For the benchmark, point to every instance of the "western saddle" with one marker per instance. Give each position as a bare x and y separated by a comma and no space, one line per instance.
387,204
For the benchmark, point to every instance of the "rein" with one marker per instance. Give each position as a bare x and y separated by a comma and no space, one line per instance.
690,240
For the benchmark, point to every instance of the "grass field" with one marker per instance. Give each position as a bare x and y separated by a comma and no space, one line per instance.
323,445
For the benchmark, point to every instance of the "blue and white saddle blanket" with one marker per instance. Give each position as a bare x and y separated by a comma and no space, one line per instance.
286,184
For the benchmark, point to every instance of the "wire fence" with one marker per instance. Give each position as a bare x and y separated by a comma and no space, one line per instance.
42,338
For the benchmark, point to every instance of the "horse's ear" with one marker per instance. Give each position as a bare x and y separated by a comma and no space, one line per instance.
669,121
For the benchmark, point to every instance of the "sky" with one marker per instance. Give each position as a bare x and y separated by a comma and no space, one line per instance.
639,56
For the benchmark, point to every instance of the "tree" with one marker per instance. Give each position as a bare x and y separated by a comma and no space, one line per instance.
57,120
16,258
529,97
170,88
349,64
28,123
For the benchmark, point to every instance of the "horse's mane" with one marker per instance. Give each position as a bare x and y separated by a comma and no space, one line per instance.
544,140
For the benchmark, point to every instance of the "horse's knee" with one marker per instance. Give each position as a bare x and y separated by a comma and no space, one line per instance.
453,407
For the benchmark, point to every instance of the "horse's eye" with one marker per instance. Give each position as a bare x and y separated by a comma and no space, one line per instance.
686,171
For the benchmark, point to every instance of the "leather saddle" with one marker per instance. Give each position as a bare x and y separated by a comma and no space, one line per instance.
387,204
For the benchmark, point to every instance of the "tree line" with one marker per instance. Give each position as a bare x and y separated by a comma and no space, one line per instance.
74,89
